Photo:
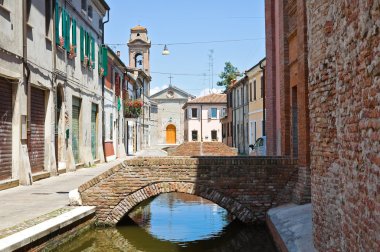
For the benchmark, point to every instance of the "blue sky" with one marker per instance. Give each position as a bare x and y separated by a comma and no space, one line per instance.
173,21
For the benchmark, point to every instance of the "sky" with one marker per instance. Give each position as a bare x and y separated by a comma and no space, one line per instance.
180,21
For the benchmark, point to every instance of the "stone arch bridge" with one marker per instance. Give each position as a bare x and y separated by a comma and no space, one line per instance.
245,186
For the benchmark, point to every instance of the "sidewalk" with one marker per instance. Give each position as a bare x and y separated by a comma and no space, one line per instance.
47,197
291,226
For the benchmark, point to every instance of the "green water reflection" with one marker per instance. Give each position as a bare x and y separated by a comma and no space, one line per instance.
175,222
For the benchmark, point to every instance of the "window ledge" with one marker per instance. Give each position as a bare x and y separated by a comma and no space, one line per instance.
84,12
30,26
48,39
5,8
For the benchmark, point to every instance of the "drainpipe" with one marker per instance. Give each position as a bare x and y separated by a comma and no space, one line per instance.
103,83
143,112
262,67
26,73
242,90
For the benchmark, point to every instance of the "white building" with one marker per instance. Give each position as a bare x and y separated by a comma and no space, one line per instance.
202,118
170,115
81,63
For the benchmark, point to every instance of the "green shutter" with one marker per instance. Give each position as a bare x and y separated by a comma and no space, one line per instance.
63,23
67,39
74,35
100,57
105,60
93,52
81,44
56,22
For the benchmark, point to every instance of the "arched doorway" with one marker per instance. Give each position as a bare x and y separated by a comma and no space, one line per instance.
170,134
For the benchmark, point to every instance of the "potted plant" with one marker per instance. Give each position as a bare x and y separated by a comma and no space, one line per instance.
72,53
85,61
61,41
132,109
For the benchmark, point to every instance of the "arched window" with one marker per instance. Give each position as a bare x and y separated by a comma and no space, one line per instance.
139,61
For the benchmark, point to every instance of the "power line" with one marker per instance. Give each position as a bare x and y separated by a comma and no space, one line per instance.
182,74
195,42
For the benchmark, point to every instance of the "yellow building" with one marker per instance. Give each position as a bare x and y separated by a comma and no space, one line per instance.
256,102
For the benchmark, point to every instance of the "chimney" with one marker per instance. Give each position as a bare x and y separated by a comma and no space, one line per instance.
118,53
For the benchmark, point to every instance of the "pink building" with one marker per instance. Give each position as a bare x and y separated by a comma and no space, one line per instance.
202,118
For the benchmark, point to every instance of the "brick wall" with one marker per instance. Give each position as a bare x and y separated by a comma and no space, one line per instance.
344,102
246,187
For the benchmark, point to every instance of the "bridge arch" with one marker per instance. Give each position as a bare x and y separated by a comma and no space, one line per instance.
133,199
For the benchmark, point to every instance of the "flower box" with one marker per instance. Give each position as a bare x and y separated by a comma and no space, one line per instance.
132,109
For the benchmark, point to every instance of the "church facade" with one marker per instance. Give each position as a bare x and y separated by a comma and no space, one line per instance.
170,121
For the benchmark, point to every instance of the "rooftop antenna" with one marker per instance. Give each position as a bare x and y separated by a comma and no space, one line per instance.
211,68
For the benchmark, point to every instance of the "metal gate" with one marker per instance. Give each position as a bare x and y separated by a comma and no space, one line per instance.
94,111
75,128
5,130
37,126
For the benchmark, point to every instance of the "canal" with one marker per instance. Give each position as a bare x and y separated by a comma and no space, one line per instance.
175,222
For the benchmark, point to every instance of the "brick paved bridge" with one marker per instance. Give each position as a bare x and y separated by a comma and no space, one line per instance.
245,186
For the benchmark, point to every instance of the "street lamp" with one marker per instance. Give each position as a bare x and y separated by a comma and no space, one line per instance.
165,51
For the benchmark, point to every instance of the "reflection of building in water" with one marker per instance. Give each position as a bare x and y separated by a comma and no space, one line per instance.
191,198
141,215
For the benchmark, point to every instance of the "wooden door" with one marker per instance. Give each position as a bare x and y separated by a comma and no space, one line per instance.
171,134
5,130
37,136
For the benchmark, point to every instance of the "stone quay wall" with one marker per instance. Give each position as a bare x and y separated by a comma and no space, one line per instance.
344,102
245,186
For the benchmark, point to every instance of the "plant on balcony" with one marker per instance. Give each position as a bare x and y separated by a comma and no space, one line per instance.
85,61
101,71
72,53
132,109
61,41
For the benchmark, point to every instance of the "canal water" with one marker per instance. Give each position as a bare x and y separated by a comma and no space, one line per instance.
175,222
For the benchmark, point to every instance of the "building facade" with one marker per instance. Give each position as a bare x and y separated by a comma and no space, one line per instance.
139,53
240,117
286,87
256,90
226,121
114,98
202,118
170,129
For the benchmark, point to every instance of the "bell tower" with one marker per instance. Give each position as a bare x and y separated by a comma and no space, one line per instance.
139,49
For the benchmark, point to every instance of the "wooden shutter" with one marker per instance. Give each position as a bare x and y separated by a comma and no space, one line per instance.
94,111
75,128
56,22
81,44
93,52
74,35
63,24
67,33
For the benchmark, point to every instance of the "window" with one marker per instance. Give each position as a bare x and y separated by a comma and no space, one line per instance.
250,91
111,126
214,113
186,111
139,61
214,135
237,98
194,135
154,109
48,16
89,11
262,86
84,5
100,24
224,112
254,90
194,113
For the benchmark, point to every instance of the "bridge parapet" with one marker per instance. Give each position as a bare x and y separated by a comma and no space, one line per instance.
245,186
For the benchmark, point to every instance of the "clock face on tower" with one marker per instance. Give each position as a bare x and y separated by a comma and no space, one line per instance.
170,94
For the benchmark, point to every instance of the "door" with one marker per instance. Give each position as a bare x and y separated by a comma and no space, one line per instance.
5,130
37,126
94,111
75,128
170,134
